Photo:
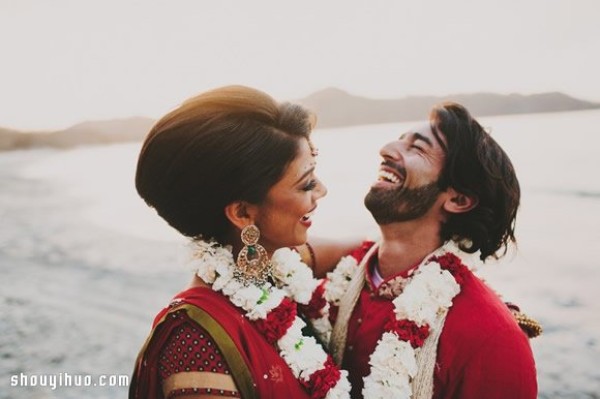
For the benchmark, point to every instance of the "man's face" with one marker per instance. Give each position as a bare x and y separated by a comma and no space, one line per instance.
407,183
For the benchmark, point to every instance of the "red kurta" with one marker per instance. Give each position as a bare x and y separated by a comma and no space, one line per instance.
269,376
482,351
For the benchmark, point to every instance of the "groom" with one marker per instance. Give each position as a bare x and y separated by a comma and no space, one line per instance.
416,321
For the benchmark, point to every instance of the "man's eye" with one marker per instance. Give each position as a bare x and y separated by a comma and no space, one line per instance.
416,147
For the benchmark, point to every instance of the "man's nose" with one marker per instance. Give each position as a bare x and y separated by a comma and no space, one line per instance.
392,150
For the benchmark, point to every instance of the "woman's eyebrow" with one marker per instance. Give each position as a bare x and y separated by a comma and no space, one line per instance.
308,172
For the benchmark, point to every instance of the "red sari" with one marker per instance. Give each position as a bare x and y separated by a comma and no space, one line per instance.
256,367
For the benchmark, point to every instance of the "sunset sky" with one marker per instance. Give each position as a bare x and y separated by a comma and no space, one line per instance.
63,62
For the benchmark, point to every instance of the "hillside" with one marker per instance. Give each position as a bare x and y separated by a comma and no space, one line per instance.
86,133
334,108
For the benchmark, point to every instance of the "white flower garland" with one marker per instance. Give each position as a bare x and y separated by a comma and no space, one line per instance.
336,284
428,293
214,264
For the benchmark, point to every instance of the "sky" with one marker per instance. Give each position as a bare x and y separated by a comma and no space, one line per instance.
63,62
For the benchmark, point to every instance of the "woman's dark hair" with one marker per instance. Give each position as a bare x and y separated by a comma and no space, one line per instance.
476,165
229,144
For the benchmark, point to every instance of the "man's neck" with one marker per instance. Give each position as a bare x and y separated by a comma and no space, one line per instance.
405,244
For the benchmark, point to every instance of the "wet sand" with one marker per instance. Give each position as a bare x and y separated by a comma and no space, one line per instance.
79,298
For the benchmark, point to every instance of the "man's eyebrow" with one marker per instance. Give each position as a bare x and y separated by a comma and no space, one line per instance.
419,136
308,172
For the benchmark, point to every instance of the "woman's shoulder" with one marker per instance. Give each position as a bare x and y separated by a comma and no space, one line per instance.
190,361
176,350
194,294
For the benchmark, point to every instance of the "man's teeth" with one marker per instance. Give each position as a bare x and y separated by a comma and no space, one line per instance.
388,176
306,217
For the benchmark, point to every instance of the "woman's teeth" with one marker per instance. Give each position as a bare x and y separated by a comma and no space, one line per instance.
306,217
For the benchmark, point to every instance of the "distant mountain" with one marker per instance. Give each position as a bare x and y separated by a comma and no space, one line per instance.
86,133
334,108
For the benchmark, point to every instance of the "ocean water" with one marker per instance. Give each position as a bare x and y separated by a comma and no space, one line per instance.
85,264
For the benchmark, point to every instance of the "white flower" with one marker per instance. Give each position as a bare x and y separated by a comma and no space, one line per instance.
293,275
415,303
247,297
311,357
339,279
429,292
284,260
341,390
393,364
270,299
231,287
293,335
377,390
394,354
205,271
290,343
441,284
305,357
207,257
323,327
224,274
335,286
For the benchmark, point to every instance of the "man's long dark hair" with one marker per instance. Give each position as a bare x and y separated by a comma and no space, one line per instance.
476,165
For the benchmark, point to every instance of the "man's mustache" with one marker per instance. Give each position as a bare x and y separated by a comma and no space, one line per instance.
401,170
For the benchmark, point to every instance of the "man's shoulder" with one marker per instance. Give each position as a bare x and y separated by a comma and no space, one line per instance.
480,328
477,312
482,346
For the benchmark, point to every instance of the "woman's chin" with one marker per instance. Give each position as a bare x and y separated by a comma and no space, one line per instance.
299,240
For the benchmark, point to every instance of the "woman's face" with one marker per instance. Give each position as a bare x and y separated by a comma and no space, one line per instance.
285,215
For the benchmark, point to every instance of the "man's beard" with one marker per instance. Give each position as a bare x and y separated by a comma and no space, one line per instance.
401,204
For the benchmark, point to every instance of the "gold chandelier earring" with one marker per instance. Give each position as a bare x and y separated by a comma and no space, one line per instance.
253,263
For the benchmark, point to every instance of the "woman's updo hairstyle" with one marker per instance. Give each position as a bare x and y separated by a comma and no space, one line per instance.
229,144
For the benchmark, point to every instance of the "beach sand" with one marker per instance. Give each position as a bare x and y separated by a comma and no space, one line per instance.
79,297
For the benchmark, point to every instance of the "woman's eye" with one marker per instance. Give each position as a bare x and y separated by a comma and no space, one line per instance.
416,147
310,185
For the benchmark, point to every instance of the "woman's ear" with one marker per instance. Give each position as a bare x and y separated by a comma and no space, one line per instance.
459,202
240,213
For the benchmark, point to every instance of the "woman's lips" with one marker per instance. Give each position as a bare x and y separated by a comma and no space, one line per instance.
305,220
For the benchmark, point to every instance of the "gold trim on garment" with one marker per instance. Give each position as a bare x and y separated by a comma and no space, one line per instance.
200,380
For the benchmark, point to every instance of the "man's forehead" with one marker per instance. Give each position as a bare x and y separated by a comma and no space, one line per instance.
423,128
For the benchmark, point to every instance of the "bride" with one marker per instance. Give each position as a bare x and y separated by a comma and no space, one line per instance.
234,171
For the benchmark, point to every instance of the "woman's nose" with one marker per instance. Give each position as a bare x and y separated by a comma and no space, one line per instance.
320,190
